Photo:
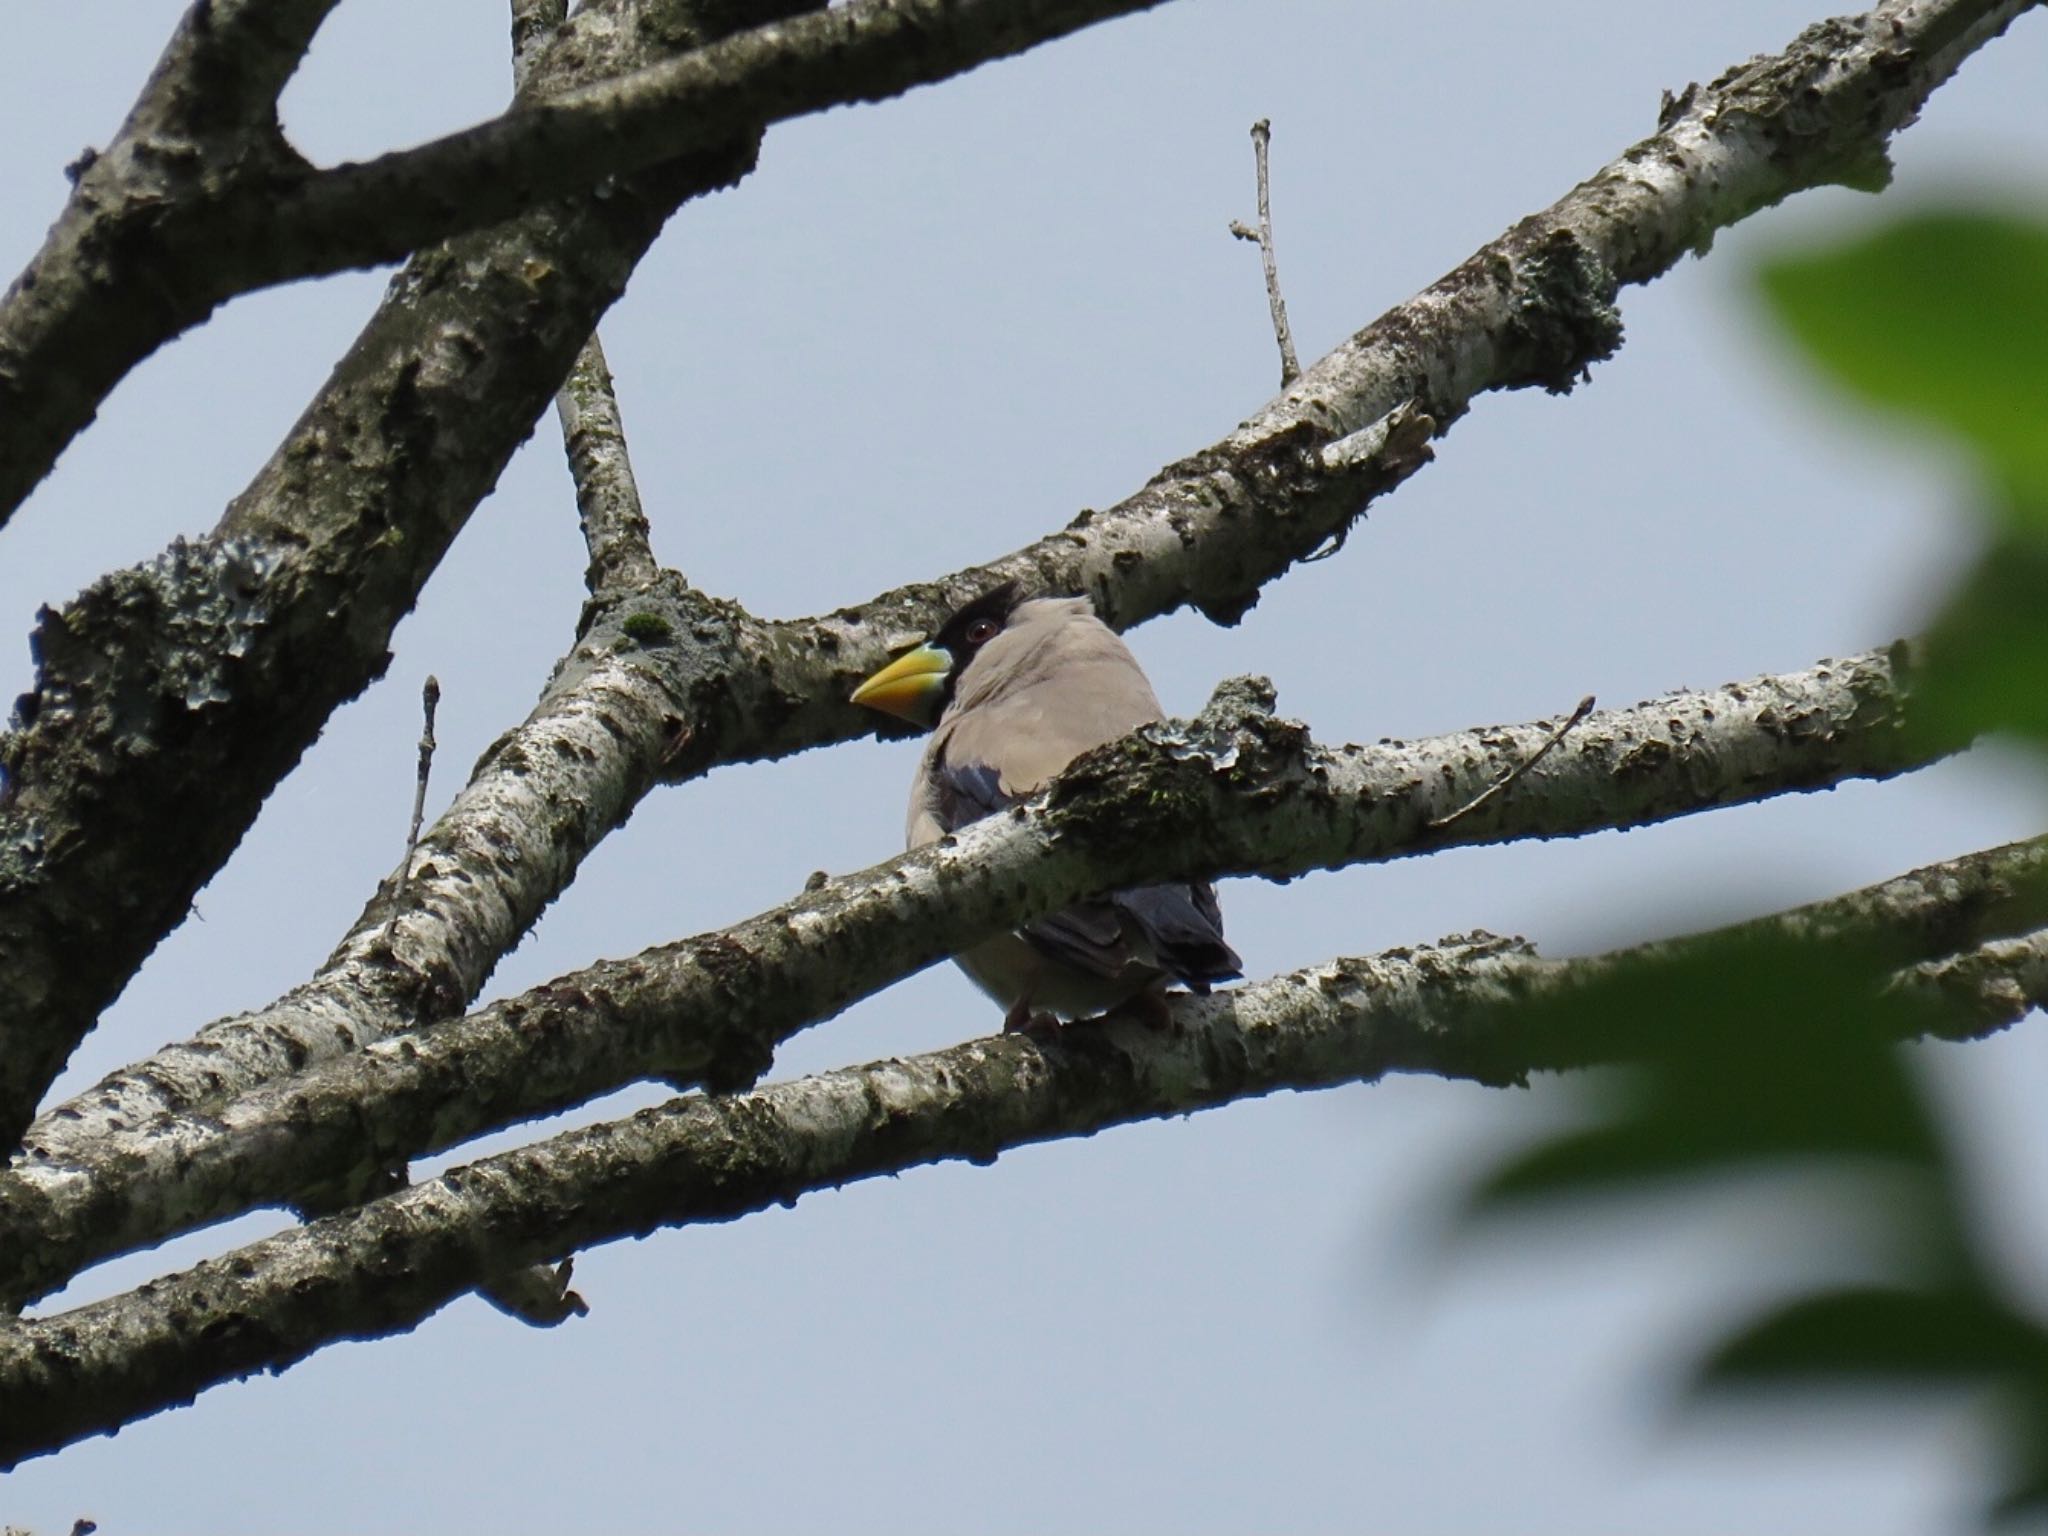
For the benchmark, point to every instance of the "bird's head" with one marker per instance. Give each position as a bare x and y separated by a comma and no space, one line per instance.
918,685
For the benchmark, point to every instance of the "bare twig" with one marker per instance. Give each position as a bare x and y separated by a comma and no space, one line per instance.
430,700
593,436
1500,785
607,497
1290,365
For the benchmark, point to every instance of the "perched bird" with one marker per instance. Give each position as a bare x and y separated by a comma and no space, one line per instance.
1018,688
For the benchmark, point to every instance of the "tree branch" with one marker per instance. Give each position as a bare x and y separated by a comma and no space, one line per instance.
76,320
1236,792
1989,985
1457,1009
1532,307
239,221
607,496
538,800
863,50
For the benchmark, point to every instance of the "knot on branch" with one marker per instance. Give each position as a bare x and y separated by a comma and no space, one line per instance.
537,1295
1565,319
1184,783
1237,697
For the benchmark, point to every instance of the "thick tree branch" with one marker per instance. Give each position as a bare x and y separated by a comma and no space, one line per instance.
1457,1009
1236,792
534,22
235,219
864,50
75,321
231,59
539,799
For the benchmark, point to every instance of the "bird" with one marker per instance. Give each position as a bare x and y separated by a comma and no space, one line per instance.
1013,688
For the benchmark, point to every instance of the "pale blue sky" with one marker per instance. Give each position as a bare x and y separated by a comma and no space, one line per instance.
920,335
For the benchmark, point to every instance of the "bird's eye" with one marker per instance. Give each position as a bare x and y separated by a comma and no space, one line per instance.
981,631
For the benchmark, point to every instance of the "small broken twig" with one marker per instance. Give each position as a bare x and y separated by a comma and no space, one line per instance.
430,700
1501,784
1290,365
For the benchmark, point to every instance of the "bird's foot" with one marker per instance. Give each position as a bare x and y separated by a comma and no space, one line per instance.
1020,1020
1149,1008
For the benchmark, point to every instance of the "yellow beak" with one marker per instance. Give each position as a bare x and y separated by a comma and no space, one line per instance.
909,686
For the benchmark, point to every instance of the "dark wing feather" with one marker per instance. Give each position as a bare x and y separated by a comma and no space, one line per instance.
1089,935
1176,927
1180,926
966,792
1184,926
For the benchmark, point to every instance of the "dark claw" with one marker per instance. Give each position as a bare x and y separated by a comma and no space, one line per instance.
1020,1020
1149,1008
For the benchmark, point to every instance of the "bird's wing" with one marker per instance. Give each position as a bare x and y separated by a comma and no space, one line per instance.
1170,928
966,792
1182,925
1177,928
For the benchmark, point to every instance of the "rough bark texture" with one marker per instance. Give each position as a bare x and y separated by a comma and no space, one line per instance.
615,530
170,699
201,194
1235,792
75,321
1456,1009
864,50
1988,985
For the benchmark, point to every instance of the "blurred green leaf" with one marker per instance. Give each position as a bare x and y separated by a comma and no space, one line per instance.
2025,1495
1987,654
1865,1334
1745,1050
1881,1339
1942,315
1751,1050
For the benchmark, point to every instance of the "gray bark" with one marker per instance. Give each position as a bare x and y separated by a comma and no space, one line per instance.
1458,1009
170,699
615,530
1236,792
74,322
201,193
